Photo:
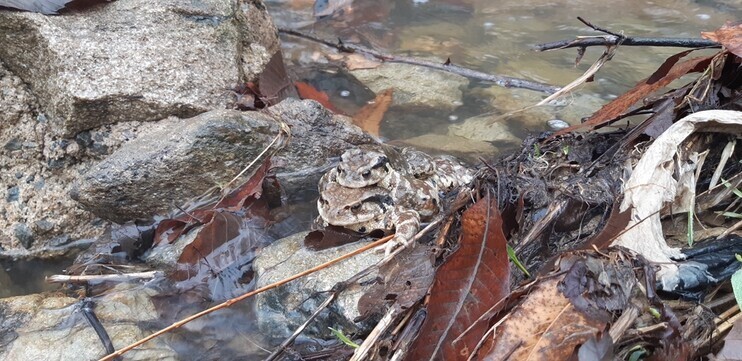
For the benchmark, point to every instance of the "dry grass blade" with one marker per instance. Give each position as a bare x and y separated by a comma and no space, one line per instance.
607,56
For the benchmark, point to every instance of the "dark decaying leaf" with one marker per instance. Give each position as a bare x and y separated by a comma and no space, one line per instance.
406,280
168,230
597,287
730,36
670,70
732,349
468,284
307,91
370,116
333,236
275,83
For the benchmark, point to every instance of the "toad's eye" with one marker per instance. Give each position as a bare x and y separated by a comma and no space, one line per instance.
366,174
340,169
355,207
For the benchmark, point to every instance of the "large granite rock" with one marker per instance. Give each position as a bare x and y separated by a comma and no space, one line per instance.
136,60
181,159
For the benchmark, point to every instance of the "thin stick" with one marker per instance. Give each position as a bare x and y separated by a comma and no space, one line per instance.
503,81
232,301
122,277
279,350
582,42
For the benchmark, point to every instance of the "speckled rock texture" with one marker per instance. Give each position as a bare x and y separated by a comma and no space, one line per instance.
136,60
75,87
179,159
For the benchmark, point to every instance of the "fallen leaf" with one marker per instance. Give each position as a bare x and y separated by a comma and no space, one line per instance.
470,282
405,281
664,75
274,82
307,91
370,116
545,326
730,36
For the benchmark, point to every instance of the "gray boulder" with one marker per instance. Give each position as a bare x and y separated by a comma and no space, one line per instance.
180,159
136,60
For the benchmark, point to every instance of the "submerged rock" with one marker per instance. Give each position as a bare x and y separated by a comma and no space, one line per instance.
485,128
283,309
415,85
39,327
136,60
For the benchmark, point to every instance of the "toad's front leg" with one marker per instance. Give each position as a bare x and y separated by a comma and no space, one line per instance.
406,224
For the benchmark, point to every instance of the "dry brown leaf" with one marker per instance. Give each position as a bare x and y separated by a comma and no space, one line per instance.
670,70
370,116
730,36
546,326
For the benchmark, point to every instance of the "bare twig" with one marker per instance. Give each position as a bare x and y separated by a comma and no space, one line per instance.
286,343
123,277
608,40
607,56
504,81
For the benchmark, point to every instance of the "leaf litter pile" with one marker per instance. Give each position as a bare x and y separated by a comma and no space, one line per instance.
620,241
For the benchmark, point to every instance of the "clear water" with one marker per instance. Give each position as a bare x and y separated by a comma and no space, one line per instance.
496,37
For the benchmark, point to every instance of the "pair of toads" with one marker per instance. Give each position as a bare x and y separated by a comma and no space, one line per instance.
378,187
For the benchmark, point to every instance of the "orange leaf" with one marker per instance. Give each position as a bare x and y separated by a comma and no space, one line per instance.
370,116
730,36
307,91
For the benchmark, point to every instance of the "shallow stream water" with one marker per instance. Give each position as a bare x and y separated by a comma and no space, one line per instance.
496,37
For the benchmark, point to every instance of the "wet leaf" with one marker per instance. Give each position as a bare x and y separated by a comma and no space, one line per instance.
329,237
221,254
307,91
732,349
275,84
370,116
405,280
670,70
468,284
730,36
168,230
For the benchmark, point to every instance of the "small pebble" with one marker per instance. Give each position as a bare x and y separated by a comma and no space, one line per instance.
703,16
345,93
557,124
453,118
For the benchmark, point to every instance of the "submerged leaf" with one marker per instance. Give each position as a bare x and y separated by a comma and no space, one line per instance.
370,116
